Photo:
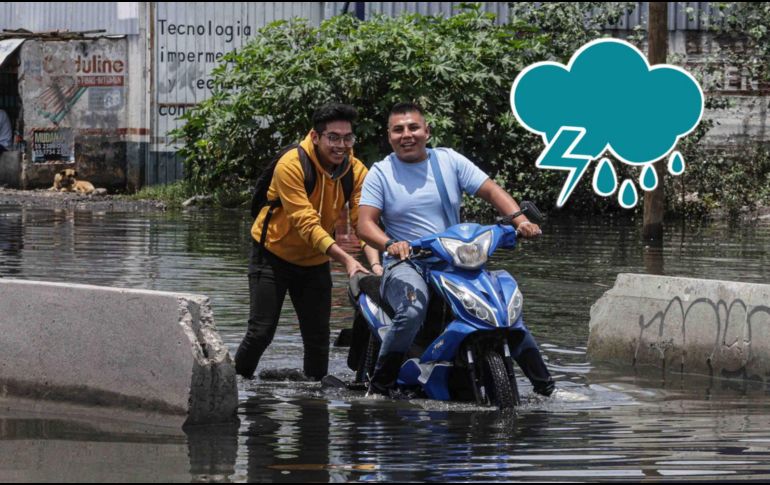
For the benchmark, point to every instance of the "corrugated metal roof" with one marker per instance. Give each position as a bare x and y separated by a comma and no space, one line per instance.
679,19
122,17
393,9
119,18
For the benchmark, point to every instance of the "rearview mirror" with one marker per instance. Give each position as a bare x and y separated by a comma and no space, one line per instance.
530,210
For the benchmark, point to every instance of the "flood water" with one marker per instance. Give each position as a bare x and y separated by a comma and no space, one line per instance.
601,424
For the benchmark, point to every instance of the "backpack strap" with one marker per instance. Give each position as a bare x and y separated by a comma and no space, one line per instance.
308,169
262,186
347,184
449,212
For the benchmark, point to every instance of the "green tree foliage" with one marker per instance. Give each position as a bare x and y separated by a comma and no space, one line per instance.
743,30
736,177
460,69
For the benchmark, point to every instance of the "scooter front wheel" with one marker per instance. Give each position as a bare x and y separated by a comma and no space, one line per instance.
497,382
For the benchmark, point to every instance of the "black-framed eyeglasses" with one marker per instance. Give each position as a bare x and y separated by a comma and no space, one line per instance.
336,139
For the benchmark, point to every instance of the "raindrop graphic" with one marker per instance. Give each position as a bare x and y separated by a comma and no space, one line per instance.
628,196
605,178
676,164
649,179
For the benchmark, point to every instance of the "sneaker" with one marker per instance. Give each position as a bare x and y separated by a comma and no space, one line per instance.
545,389
331,381
377,390
293,375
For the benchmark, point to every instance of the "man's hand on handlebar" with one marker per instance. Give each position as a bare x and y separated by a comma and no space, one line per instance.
400,250
528,230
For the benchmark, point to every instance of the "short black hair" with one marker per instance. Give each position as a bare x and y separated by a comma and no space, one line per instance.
407,107
333,112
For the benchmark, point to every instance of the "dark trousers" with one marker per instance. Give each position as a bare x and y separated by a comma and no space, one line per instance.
530,360
310,290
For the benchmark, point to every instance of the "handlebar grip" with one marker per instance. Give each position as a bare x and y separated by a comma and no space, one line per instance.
422,253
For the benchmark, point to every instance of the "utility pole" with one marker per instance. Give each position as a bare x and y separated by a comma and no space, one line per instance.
655,201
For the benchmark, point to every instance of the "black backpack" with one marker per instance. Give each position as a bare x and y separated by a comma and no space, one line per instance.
259,198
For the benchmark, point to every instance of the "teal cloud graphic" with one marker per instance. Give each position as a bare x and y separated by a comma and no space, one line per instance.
608,99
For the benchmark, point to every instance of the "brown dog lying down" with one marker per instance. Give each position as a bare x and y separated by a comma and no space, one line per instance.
66,181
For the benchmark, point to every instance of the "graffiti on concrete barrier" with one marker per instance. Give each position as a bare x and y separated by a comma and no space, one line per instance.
704,312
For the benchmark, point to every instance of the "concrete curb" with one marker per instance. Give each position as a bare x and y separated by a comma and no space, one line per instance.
683,325
135,350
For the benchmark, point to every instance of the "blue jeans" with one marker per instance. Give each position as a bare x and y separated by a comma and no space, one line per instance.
404,288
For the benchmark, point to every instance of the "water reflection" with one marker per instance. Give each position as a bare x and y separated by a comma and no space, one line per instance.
602,424
290,437
213,452
360,440
11,242
38,448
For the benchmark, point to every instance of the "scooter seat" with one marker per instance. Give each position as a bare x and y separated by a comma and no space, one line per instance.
370,286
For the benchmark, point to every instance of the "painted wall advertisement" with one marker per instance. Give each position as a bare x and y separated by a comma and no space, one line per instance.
54,145
74,87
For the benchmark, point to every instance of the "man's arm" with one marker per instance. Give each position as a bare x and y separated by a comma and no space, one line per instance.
373,256
505,205
289,179
369,230
349,262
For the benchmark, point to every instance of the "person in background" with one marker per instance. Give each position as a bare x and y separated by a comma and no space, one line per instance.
6,133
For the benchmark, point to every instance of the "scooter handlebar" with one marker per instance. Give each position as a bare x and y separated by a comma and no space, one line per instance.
422,253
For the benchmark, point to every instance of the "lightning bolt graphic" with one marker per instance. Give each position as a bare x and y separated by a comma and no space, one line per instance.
558,155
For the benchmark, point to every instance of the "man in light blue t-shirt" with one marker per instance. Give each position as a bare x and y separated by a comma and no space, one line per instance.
401,192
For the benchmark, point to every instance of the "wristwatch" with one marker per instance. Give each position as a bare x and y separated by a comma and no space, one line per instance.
389,242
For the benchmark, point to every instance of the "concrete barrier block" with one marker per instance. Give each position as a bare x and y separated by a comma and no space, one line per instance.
134,350
685,325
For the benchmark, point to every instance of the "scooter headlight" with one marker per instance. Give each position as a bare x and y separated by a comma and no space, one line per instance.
515,306
469,255
472,303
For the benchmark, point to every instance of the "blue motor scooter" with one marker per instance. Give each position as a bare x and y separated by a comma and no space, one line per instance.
464,349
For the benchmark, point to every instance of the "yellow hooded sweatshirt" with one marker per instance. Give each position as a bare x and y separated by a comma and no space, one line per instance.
300,230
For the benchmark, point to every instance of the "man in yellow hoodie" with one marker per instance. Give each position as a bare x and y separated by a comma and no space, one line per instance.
294,253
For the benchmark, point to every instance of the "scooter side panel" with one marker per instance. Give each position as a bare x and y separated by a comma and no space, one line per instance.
375,316
432,377
437,385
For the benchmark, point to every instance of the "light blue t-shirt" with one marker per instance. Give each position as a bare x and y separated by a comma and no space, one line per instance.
408,197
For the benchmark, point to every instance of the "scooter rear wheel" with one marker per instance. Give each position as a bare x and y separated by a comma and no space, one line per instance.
501,392
368,360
